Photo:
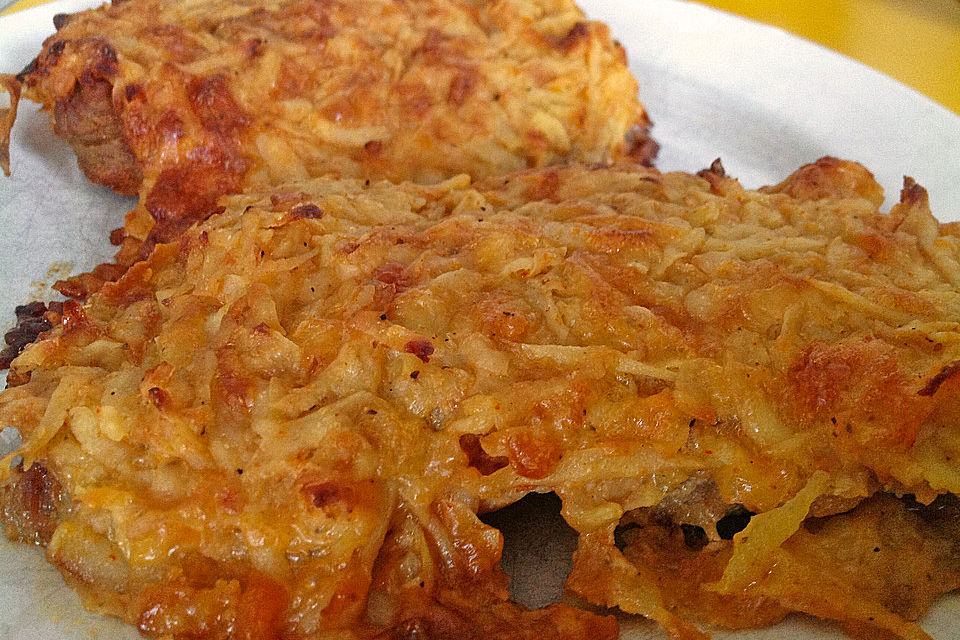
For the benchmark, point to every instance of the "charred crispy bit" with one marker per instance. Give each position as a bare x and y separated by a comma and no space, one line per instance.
716,168
286,425
60,20
32,320
933,384
32,504
132,248
478,458
306,211
641,146
423,349
714,175
182,103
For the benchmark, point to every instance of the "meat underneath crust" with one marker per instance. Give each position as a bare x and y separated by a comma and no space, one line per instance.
86,120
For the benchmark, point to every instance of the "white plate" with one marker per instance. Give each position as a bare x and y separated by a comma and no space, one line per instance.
715,85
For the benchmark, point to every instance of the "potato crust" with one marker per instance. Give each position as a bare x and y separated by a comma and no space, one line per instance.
182,102
305,401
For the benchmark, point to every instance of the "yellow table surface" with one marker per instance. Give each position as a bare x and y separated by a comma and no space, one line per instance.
915,41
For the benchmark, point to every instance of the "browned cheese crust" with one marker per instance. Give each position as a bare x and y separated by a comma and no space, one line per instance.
284,424
184,101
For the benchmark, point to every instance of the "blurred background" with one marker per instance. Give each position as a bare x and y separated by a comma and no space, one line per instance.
914,41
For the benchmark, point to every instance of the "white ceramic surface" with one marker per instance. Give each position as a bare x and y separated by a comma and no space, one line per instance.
715,85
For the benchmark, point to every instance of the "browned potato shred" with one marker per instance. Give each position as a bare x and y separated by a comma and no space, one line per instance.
285,423
10,86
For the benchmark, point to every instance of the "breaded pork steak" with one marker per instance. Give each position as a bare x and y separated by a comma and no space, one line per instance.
285,424
183,101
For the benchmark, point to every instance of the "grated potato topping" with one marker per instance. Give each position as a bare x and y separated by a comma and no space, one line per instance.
285,423
182,102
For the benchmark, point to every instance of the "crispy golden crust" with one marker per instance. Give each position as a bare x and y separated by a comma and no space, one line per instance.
306,401
184,101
